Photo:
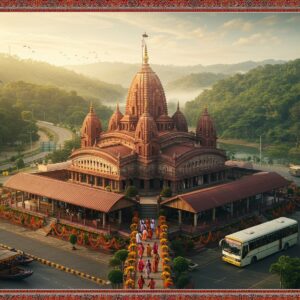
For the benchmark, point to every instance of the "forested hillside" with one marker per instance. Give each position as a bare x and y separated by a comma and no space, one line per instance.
22,103
194,81
265,101
14,69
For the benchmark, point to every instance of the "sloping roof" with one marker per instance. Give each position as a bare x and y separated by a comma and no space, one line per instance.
115,150
68,192
219,195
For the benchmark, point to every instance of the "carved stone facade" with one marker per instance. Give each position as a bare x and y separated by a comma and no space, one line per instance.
146,147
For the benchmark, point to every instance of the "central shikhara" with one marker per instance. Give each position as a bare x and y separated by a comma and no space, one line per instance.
146,147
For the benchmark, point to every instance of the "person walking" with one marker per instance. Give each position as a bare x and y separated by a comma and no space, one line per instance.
145,235
138,238
155,263
140,250
141,265
148,250
157,232
155,248
148,268
150,233
151,284
141,282
152,225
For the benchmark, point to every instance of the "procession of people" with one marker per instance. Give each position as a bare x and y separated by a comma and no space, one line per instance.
148,263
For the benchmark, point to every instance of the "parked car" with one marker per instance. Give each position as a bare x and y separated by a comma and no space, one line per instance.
192,266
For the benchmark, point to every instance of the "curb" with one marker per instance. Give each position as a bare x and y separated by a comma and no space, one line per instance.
62,268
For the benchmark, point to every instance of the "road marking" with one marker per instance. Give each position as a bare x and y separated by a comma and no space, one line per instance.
219,280
261,281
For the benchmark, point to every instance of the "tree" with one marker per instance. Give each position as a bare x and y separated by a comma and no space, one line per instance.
289,271
20,163
166,192
27,115
131,191
115,277
115,262
182,281
180,264
121,255
73,241
178,247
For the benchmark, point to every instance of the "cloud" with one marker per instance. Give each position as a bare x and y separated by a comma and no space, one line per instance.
238,24
257,39
270,20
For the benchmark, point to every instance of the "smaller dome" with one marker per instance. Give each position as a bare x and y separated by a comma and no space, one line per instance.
164,118
146,129
180,120
115,119
91,129
206,131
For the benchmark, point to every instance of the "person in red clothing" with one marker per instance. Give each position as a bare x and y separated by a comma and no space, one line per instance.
141,265
155,262
141,282
151,284
155,248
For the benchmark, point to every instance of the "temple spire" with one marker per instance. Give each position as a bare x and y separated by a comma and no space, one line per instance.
145,57
178,108
91,107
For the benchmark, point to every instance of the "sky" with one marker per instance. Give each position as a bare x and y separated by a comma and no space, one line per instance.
174,38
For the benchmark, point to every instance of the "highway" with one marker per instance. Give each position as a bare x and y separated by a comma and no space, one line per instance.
62,135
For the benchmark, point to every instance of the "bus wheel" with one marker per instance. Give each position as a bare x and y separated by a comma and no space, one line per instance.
286,246
253,260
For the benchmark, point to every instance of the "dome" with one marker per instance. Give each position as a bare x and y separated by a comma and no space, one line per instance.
165,123
91,129
206,130
146,87
180,120
114,122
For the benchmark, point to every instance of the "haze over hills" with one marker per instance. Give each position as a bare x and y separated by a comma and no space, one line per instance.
122,73
14,69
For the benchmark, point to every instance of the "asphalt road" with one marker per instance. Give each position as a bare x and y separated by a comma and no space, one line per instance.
214,273
62,134
45,277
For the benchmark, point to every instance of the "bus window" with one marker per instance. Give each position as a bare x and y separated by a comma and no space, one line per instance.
245,251
231,247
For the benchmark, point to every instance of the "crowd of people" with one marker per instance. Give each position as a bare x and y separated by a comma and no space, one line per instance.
150,265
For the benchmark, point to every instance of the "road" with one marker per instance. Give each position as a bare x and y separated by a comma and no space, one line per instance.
214,273
62,135
45,277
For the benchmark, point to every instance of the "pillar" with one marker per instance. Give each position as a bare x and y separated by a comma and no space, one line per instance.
231,209
88,179
38,204
195,219
214,214
22,197
104,219
52,206
120,216
179,217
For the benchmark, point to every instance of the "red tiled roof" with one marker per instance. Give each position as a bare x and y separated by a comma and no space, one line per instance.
116,149
247,186
68,192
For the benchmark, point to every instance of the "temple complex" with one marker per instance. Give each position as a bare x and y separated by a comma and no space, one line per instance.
146,147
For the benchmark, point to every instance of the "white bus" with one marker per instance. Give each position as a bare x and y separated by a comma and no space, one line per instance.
249,245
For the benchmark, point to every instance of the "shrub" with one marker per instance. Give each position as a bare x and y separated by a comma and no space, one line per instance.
115,262
115,277
182,281
73,240
178,247
131,191
180,264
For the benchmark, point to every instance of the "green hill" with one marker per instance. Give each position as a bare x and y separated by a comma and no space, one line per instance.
14,69
22,103
194,81
265,101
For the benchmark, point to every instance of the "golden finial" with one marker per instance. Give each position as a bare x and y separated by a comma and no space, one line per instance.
91,107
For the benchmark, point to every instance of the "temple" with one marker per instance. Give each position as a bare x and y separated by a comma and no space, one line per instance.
146,147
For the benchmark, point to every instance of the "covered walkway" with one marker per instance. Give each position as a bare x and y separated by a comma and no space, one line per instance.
223,202
65,200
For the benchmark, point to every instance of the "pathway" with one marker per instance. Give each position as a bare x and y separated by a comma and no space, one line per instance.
156,276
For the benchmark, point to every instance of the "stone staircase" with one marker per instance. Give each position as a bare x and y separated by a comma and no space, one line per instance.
148,211
44,231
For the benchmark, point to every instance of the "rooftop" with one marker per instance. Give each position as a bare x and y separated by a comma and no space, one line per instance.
208,198
68,192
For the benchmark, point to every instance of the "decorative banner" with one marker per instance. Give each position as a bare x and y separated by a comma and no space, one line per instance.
150,5
150,295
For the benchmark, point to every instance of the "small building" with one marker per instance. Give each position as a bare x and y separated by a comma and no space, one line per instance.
247,194
67,200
